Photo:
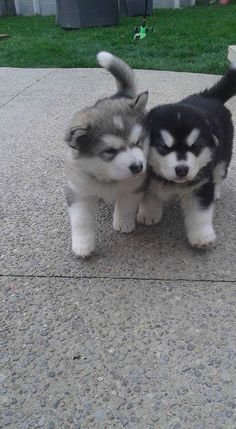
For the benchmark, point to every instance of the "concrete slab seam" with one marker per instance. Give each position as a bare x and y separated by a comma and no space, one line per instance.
27,87
161,279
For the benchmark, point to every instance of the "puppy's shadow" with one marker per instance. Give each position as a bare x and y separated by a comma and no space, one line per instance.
155,252
147,249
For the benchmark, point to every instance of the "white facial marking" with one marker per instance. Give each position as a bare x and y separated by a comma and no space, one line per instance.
119,168
168,139
178,115
135,133
146,145
204,158
113,141
116,169
165,165
192,137
117,120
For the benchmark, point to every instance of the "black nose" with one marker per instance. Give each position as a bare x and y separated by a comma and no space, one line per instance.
136,168
181,170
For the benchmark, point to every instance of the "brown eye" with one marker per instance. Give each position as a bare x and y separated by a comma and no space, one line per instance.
162,148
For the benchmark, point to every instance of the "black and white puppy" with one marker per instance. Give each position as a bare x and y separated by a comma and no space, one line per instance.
191,148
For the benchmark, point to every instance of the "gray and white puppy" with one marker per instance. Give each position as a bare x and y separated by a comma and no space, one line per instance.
106,157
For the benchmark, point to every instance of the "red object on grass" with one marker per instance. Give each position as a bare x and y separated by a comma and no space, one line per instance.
224,2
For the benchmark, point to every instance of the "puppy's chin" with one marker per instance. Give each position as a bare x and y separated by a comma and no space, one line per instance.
180,180
176,179
186,179
134,176
129,177
116,178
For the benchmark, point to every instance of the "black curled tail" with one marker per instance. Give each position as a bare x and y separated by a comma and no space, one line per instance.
225,88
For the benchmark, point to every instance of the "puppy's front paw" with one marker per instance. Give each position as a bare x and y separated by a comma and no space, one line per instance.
149,218
123,224
83,247
202,238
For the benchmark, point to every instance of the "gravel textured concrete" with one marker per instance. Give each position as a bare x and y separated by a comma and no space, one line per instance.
142,335
113,354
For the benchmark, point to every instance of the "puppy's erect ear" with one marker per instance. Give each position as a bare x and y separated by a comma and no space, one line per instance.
139,103
76,136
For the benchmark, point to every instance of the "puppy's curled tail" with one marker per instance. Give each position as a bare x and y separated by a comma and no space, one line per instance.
123,74
225,88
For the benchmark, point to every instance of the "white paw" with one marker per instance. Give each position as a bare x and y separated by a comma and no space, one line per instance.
149,218
123,224
202,238
83,247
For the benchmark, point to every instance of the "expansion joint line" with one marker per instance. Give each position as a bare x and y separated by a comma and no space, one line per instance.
27,87
84,277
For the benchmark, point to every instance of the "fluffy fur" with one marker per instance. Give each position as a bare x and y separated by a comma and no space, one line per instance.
191,148
106,157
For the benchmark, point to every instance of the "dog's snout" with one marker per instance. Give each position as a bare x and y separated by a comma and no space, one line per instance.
181,170
136,167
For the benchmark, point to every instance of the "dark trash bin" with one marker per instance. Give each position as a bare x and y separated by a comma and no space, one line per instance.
87,13
135,7
7,8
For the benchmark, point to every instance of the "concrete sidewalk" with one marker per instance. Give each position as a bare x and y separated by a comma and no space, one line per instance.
142,335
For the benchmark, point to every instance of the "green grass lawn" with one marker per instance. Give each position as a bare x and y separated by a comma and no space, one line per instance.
192,39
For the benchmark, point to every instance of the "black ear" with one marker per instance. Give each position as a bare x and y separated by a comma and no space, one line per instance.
150,117
76,136
139,103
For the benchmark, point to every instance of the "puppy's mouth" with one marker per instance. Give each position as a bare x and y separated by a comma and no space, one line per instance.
135,175
140,174
177,180
180,180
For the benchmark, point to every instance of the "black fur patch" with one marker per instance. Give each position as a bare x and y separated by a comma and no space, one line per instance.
206,194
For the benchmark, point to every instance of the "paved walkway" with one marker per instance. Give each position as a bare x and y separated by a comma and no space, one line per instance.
141,336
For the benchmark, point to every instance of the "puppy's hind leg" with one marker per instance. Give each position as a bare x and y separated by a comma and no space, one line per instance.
82,216
126,208
150,209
